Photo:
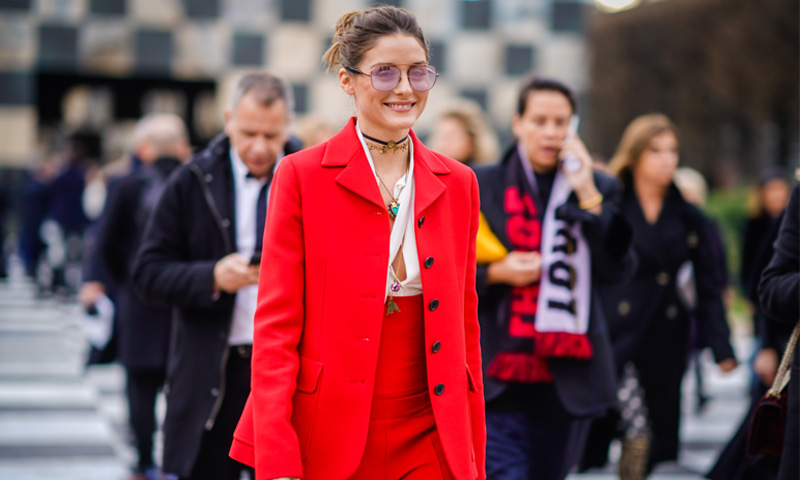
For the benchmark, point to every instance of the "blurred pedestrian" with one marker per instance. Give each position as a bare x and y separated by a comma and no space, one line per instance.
552,235
779,293
200,255
143,329
313,130
66,210
36,199
770,197
771,338
366,361
5,207
649,324
463,133
694,189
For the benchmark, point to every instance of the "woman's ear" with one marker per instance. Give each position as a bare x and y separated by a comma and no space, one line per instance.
346,82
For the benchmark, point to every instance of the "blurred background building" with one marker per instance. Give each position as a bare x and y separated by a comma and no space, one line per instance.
725,70
95,66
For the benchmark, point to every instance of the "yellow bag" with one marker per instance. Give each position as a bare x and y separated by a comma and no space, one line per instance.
489,248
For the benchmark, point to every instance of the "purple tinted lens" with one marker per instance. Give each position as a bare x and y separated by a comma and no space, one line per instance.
422,78
385,77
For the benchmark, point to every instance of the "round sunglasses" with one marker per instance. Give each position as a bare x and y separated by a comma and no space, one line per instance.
386,77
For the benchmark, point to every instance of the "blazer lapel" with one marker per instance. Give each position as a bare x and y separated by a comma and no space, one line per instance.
427,186
344,150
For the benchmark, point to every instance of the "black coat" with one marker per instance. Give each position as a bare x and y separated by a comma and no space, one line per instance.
192,227
779,292
648,322
584,387
143,329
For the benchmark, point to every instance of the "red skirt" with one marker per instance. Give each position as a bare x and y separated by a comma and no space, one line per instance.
402,441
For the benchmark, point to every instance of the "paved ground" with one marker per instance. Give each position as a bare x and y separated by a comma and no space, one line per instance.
59,421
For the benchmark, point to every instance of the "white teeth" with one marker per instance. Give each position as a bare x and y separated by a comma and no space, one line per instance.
394,105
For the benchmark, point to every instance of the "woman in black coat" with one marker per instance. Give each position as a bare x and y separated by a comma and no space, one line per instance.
779,293
649,325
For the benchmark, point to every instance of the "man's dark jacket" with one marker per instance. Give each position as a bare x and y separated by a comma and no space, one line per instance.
192,227
585,387
144,329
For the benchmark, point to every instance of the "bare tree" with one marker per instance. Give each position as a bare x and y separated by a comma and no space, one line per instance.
726,71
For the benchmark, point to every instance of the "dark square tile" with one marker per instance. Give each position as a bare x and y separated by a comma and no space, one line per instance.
153,50
568,17
300,98
477,95
15,4
476,14
201,9
58,46
295,10
107,7
439,55
248,49
519,59
16,88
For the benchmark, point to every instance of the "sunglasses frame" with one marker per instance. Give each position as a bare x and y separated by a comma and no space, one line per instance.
413,65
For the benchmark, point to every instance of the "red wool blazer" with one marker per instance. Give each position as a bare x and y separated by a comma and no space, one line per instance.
321,304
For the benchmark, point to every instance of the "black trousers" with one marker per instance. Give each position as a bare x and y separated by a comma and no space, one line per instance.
142,388
532,437
213,462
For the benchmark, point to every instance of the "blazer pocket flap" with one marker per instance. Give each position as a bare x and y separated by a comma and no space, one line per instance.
308,377
472,386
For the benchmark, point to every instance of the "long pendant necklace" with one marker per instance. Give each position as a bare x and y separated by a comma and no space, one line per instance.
395,287
394,206
387,147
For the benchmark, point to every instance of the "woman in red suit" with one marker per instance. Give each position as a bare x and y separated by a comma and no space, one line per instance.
366,359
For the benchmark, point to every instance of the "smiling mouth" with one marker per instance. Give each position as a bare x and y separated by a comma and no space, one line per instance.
404,107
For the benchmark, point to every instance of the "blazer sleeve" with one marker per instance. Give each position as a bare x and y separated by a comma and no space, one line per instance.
162,273
279,321
779,288
710,307
473,341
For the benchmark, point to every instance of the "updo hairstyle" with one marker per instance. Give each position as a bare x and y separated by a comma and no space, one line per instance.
359,30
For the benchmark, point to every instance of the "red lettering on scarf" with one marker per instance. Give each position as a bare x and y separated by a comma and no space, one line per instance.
524,351
523,226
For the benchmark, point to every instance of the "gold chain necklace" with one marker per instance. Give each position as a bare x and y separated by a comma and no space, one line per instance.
394,206
387,147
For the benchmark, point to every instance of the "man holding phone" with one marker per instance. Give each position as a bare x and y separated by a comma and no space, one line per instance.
201,253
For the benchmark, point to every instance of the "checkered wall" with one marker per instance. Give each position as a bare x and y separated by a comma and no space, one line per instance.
483,48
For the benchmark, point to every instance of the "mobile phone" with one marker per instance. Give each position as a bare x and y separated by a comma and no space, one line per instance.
255,260
571,162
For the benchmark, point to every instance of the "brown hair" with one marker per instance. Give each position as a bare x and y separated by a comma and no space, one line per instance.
636,138
359,30
471,117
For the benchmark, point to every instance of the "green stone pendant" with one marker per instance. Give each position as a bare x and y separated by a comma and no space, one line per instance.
394,207
391,307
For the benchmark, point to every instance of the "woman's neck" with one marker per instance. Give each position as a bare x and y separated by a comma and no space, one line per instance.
651,197
383,135
392,163
647,190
